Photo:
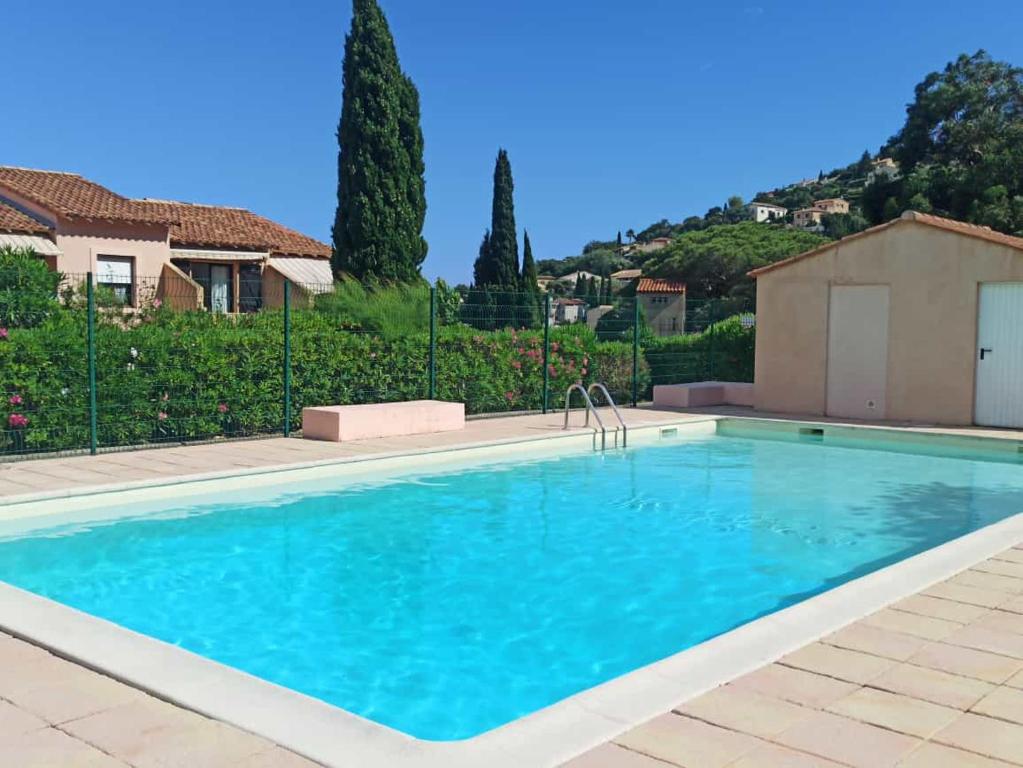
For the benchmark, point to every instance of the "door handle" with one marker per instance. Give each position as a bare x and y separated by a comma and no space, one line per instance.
984,350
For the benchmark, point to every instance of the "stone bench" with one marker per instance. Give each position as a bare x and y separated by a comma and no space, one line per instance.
339,423
703,393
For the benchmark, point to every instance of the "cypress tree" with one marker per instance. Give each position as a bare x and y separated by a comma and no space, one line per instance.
482,273
530,299
528,266
580,286
504,247
381,191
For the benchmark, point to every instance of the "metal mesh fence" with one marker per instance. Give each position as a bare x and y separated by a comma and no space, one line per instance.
88,364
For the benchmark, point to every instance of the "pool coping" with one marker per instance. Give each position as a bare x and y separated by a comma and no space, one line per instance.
549,736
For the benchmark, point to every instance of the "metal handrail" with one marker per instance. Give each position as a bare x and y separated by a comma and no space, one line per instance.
589,409
611,402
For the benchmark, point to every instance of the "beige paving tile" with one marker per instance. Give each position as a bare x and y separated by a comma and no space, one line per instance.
15,652
967,662
606,756
1016,681
1014,606
840,663
795,685
1010,556
31,670
849,742
933,685
940,609
1001,568
74,697
743,710
15,721
1004,703
986,736
987,598
926,627
895,712
49,748
981,580
878,642
687,742
1003,621
931,755
990,640
775,756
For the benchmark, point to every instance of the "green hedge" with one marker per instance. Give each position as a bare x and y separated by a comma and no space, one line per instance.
724,352
193,375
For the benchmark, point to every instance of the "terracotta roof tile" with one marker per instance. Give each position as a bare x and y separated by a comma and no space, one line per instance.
73,197
13,220
949,225
655,285
212,226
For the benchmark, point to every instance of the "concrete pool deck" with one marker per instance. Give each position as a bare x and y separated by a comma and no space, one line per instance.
933,680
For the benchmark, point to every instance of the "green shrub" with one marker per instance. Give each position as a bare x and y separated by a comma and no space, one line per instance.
723,352
28,289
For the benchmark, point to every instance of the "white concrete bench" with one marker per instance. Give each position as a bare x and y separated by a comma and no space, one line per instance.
339,423
703,393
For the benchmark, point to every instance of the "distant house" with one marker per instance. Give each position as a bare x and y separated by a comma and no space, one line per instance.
543,281
568,311
623,276
187,255
761,212
811,218
572,277
664,305
883,169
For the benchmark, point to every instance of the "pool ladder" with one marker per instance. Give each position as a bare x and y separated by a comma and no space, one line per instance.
590,408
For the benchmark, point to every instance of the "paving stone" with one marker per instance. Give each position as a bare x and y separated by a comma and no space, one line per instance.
1001,568
1013,606
967,662
986,736
1010,556
1003,703
687,742
1016,681
878,642
847,741
895,712
80,694
49,748
1003,621
15,721
795,685
604,756
950,610
987,598
840,663
931,755
981,580
933,685
990,640
926,627
775,756
743,710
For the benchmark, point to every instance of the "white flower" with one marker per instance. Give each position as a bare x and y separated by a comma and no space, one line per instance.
64,391
134,352
131,366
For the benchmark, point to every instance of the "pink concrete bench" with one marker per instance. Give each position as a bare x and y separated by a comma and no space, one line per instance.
338,423
703,393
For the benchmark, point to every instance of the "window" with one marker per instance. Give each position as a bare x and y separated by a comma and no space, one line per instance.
117,274
216,281
250,288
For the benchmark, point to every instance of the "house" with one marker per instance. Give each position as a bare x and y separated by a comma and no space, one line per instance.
571,278
625,276
811,218
568,311
883,169
543,281
664,305
761,212
185,254
915,320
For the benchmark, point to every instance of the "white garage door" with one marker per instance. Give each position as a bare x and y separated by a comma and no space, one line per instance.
858,351
999,401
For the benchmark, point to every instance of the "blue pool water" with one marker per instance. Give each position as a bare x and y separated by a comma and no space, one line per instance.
447,604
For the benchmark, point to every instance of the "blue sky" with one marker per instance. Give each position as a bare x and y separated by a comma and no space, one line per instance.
614,114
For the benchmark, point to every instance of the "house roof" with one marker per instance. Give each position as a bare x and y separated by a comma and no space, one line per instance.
938,222
314,275
769,205
14,221
73,197
214,226
569,302
627,274
656,285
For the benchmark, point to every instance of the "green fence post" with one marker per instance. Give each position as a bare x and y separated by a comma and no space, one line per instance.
91,342
635,352
710,340
433,343
546,351
287,357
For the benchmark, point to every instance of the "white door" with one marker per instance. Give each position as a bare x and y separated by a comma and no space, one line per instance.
999,399
858,351
220,286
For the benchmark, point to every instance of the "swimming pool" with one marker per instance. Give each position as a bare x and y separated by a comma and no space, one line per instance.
446,603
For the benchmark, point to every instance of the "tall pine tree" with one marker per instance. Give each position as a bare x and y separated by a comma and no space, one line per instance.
381,191
530,298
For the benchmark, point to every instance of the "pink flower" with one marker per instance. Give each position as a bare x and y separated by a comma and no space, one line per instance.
17,421
157,303
3,333
554,346
222,408
516,365
509,396
15,400
551,370
583,372
165,397
586,361
161,416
